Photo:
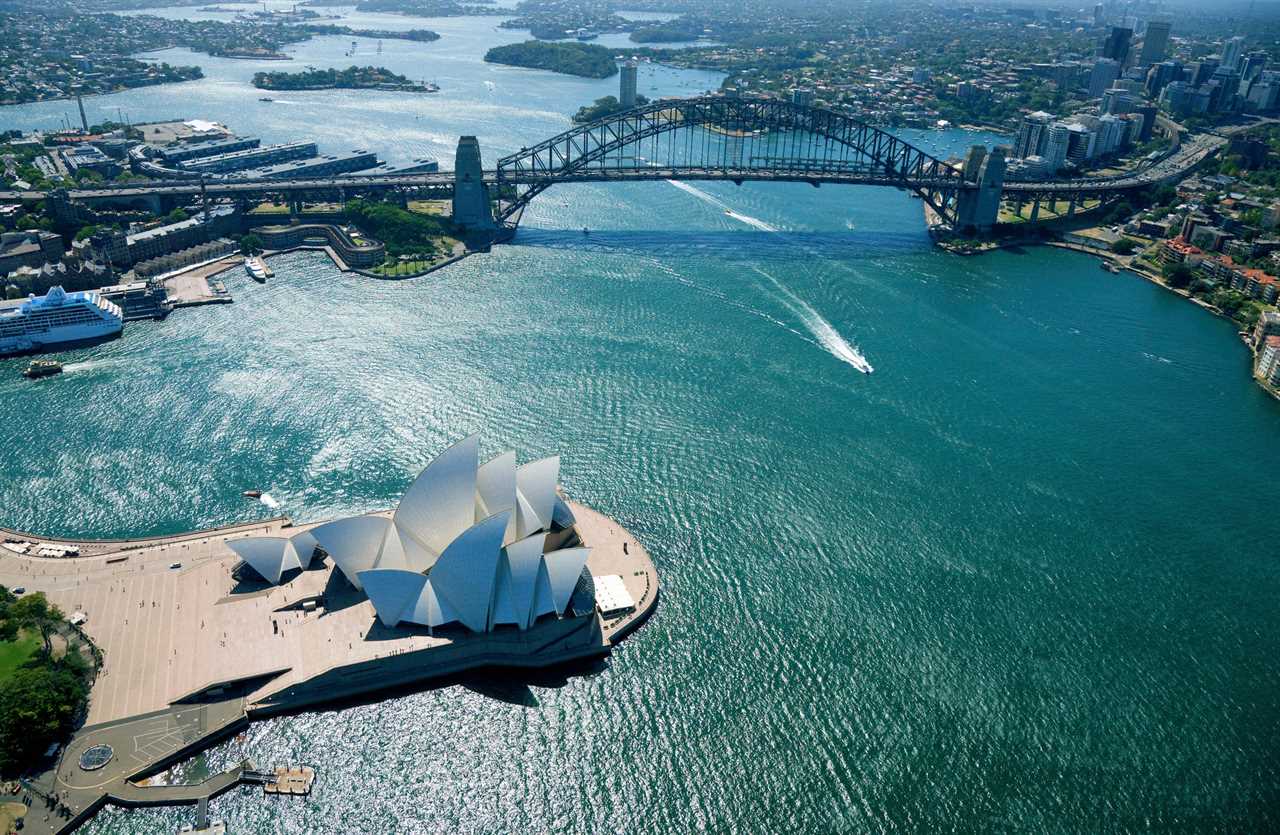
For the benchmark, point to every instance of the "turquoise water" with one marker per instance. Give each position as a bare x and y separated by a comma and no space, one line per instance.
1022,577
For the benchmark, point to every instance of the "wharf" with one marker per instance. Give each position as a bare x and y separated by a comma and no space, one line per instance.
197,286
192,654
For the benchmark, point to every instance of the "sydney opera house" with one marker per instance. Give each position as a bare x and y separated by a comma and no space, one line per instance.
470,545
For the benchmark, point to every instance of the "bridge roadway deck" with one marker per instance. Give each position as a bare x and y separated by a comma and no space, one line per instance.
1175,166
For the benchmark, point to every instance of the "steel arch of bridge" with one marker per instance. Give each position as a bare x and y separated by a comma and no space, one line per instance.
804,144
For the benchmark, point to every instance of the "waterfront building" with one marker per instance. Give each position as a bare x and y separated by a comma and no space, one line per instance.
1055,147
482,546
1155,42
627,85
57,319
31,248
1178,251
421,165
365,253
1268,325
1268,367
182,152
197,229
250,158
321,166
1033,133
802,96
1116,46
1105,72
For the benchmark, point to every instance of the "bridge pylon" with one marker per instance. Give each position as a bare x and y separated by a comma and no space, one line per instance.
471,208
977,209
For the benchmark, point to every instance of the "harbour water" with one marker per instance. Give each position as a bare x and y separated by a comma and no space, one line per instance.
1021,577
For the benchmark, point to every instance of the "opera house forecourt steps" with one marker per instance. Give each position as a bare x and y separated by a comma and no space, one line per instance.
478,565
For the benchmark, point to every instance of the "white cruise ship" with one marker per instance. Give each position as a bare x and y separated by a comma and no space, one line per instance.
57,319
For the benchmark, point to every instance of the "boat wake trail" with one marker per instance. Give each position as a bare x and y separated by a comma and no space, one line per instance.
269,501
823,331
719,204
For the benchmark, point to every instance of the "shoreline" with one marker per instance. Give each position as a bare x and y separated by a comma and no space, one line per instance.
1128,267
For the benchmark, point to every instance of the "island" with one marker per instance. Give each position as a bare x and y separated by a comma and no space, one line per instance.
352,78
581,59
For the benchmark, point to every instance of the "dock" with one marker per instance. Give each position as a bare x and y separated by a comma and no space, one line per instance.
293,780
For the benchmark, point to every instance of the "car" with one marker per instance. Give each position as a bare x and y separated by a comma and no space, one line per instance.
175,565
20,590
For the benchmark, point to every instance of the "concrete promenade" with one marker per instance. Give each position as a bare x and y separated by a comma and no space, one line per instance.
192,654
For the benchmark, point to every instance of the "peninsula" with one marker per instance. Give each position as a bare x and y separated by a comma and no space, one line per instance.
586,60
352,78
480,565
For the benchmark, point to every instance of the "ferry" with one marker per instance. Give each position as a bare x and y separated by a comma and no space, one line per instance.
57,319
255,269
42,368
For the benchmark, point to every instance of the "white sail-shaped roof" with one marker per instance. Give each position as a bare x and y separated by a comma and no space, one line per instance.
270,556
440,504
522,560
563,569
543,600
354,543
536,494
465,574
393,592
496,490
304,545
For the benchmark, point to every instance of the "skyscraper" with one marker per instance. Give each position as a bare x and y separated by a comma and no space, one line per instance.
1032,134
1116,46
1155,43
1105,72
1232,51
627,85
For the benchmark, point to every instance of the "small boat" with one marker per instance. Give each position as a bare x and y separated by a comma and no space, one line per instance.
42,368
586,231
252,494
266,98
255,270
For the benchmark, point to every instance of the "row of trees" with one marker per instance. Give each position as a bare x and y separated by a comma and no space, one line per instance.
41,700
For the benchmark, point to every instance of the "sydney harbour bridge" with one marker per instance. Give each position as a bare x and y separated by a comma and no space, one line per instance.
705,138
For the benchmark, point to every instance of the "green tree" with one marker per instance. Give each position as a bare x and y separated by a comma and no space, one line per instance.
34,611
177,215
1177,275
37,706
251,243
1124,246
